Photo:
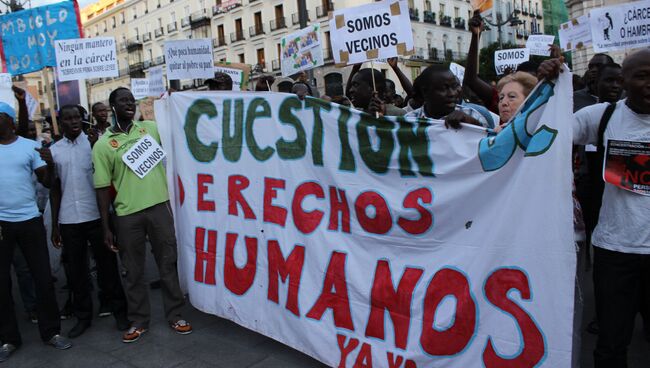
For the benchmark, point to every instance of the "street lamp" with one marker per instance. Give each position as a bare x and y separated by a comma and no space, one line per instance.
512,19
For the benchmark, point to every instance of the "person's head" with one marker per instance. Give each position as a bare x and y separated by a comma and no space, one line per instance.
529,67
389,96
440,90
264,83
7,119
578,82
361,88
220,82
100,113
285,86
610,83
398,100
636,81
513,90
301,90
123,104
415,101
342,100
70,119
31,130
591,76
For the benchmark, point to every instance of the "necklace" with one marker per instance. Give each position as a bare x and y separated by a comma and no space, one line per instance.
117,125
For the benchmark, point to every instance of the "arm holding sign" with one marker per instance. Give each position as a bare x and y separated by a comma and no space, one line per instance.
23,114
482,89
403,80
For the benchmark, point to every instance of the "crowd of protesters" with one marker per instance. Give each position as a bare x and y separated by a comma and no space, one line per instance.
95,203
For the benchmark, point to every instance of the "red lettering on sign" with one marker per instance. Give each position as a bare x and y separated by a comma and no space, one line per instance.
237,183
398,302
334,294
289,269
497,286
273,214
364,359
345,349
339,208
306,221
209,256
412,200
455,338
382,221
202,189
239,280
394,362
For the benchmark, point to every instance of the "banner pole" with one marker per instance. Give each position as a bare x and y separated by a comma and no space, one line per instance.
50,99
374,84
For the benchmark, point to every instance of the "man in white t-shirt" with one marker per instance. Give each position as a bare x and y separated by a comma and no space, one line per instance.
622,236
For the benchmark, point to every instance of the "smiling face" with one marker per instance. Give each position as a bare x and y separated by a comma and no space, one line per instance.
511,97
124,105
71,122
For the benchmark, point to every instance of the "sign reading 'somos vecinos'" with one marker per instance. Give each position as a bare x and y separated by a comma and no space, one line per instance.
372,31
144,156
509,59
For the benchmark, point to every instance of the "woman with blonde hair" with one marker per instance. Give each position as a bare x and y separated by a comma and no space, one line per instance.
513,90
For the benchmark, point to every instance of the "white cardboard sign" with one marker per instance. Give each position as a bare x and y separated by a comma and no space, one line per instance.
6,94
624,26
539,44
511,58
458,71
156,83
575,34
301,50
237,76
189,59
140,87
368,32
84,58
145,154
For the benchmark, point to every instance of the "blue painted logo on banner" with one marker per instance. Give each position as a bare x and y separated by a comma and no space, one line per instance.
28,35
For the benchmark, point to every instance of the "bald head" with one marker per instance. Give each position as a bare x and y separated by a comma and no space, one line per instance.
636,81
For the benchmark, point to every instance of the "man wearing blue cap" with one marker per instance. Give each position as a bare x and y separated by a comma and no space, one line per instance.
21,224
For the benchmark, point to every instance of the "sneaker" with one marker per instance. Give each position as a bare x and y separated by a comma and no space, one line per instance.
104,311
133,334
59,342
6,350
182,327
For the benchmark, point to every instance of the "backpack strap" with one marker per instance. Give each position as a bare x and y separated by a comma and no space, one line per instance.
604,120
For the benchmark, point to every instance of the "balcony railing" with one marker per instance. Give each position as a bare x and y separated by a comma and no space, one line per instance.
199,18
133,44
136,67
278,23
459,23
322,11
172,27
429,17
445,20
237,36
414,14
225,7
185,22
295,18
146,37
158,60
159,32
219,41
256,30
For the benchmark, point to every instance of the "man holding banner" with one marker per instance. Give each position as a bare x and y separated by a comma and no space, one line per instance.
128,156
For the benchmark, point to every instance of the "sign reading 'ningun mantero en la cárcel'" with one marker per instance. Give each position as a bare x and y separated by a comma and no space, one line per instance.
369,32
373,242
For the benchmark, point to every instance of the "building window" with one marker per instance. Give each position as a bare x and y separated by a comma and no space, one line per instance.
241,58
442,10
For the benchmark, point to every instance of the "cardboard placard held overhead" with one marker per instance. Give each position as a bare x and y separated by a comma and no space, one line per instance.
540,44
509,59
624,26
85,58
373,31
575,34
189,59
239,73
301,50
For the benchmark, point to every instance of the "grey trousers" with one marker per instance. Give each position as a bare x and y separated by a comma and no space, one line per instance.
157,223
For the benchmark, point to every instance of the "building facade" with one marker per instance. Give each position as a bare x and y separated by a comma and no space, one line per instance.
518,18
249,31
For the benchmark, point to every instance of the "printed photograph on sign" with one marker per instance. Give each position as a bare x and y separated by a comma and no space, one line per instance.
627,165
620,27
369,32
301,50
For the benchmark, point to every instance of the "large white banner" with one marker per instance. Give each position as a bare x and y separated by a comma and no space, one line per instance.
624,26
373,31
85,58
373,242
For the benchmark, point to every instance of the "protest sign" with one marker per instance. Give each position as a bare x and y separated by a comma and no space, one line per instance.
624,26
28,35
156,82
540,44
458,71
189,59
509,59
86,58
301,50
140,87
373,31
627,165
355,239
143,156
238,72
146,108
6,94
482,5
575,34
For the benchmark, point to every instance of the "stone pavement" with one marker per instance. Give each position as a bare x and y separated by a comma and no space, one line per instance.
215,342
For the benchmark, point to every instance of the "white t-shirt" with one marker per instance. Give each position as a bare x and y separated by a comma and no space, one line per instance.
624,220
